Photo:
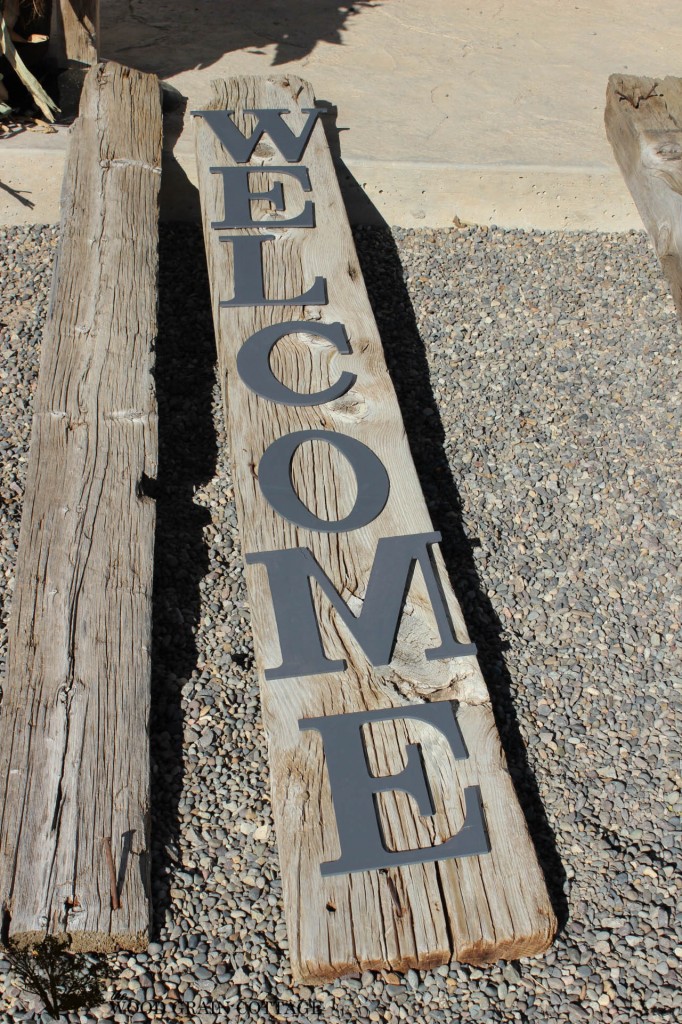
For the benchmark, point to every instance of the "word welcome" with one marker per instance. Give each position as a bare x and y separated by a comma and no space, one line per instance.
292,571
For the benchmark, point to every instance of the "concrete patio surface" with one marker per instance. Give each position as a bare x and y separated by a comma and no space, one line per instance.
485,112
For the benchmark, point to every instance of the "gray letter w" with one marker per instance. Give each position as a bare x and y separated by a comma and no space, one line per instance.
240,147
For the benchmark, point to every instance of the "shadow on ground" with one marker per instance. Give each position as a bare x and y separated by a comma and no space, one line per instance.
64,982
408,366
409,370
170,36
185,376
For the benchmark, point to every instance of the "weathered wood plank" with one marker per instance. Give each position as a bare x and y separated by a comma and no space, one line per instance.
75,30
643,120
474,909
74,755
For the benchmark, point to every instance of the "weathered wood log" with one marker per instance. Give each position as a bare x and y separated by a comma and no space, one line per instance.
75,30
74,747
474,908
643,120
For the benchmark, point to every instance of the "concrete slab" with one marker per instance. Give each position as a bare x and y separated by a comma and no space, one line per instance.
487,112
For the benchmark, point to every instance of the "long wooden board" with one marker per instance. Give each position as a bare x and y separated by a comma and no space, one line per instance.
643,120
477,908
74,747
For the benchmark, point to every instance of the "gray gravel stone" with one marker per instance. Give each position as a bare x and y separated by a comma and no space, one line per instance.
539,379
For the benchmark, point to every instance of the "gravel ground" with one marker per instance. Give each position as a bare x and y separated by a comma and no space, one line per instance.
540,380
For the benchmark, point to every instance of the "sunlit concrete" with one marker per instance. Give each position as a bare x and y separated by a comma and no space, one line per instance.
484,112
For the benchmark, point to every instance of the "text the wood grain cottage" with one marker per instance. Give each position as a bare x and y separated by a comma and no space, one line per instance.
400,837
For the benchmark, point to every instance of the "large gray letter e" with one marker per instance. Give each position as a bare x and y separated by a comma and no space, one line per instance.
354,791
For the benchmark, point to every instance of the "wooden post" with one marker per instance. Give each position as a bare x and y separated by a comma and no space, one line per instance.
473,908
74,756
643,118
75,31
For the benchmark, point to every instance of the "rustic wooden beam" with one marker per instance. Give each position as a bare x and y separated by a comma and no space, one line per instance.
643,120
75,31
474,908
74,756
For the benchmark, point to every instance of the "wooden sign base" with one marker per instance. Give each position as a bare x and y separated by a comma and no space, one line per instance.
353,614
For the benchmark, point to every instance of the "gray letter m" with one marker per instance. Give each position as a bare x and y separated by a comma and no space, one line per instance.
290,573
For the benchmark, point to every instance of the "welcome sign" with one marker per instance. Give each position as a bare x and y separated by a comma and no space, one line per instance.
400,837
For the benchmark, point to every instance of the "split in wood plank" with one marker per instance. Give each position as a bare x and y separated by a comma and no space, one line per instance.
74,745
473,908
643,120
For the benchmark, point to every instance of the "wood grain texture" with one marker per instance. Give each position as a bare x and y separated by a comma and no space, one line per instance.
476,909
643,120
75,30
74,746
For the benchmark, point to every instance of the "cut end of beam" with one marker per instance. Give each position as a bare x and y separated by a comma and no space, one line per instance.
84,942
642,118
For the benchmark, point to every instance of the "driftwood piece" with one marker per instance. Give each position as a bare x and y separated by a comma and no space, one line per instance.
474,909
74,754
644,126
